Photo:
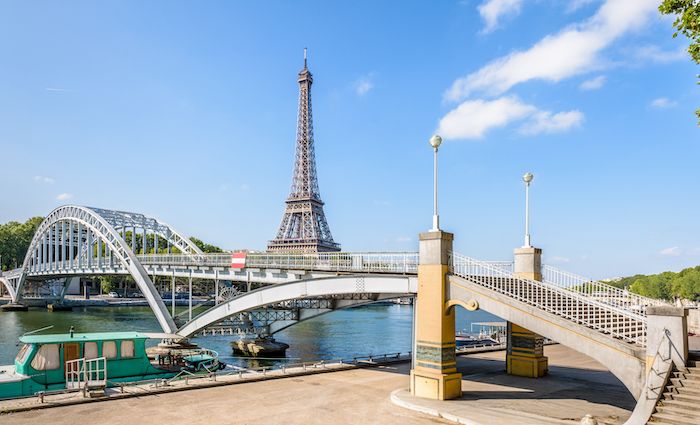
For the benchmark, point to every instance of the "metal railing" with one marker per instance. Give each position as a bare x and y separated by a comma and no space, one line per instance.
367,262
86,372
599,291
577,307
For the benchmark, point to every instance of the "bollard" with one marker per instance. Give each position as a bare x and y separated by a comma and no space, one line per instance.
240,374
284,370
304,367
41,397
264,371
187,380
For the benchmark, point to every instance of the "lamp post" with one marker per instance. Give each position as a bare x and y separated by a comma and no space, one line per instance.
435,142
527,178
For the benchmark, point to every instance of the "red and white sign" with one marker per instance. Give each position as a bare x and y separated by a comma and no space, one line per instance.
238,260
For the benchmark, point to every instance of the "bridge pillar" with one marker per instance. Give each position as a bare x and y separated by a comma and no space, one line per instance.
524,355
434,374
670,321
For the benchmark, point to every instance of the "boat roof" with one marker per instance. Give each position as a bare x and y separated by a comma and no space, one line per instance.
95,336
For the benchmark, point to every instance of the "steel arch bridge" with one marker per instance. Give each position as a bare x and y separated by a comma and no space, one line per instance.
78,241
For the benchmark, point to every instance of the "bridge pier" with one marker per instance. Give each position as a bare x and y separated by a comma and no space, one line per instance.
524,354
14,307
434,374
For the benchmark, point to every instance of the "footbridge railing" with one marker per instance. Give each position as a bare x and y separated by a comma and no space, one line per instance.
599,291
577,307
356,262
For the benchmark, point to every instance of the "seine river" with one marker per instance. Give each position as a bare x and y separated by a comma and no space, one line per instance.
359,331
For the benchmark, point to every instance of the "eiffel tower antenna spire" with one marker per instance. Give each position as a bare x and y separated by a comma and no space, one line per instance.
304,227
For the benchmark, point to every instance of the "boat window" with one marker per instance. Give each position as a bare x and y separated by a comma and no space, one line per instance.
90,350
109,349
46,358
23,353
127,348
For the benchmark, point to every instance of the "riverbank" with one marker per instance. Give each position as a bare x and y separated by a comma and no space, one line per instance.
576,385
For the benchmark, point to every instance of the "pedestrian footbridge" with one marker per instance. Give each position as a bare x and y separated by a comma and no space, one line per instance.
603,322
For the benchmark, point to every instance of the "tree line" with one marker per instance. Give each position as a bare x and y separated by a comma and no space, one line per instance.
684,284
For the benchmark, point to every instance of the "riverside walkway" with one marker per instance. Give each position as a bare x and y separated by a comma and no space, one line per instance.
576,385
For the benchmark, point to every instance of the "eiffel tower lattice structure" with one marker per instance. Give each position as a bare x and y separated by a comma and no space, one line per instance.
304,227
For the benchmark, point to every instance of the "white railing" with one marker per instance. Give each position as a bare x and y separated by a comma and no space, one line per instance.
366,262
579,308
599,291
81,373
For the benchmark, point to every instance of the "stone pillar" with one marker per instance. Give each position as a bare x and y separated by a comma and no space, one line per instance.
525,355
673,322
435,373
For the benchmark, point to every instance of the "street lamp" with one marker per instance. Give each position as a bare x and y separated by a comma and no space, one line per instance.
527,178
435,142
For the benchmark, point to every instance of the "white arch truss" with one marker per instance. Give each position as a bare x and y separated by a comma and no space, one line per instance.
337,285
72,237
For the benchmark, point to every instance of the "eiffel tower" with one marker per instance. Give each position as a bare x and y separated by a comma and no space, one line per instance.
304,227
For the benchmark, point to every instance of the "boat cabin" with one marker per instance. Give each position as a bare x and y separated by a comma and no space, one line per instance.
40,364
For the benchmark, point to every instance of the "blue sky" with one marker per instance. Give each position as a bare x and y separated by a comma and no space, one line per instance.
187,111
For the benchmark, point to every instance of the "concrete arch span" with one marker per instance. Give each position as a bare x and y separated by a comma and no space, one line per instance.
393,286
51,236
627,362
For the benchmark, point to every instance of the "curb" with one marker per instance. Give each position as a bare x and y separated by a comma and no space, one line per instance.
428,410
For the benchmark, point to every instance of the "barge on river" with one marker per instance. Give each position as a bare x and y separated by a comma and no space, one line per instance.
54,362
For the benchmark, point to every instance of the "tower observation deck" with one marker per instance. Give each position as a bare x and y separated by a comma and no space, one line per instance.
304,227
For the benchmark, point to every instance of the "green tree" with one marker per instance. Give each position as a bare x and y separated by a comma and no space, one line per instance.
15,238
687,22
205,247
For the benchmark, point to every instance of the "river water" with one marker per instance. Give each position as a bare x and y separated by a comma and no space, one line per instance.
360,331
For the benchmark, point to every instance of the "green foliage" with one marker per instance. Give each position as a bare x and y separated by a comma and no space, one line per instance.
668,285
687,22
15,238
205,247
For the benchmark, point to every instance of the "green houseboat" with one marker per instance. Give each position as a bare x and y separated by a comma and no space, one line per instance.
55,362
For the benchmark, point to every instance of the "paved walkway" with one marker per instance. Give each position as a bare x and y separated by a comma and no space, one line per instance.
362,396
576,386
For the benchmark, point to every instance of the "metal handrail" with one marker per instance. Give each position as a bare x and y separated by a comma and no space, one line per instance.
620,323
601,291
390,262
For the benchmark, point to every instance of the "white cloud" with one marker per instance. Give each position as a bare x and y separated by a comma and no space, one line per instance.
473,118
64,196
57,89
573,51
382,203
663,103
492,11
593,83
223,188
44,179
673,251
245,187
403,239
364,84
655,54
547,122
